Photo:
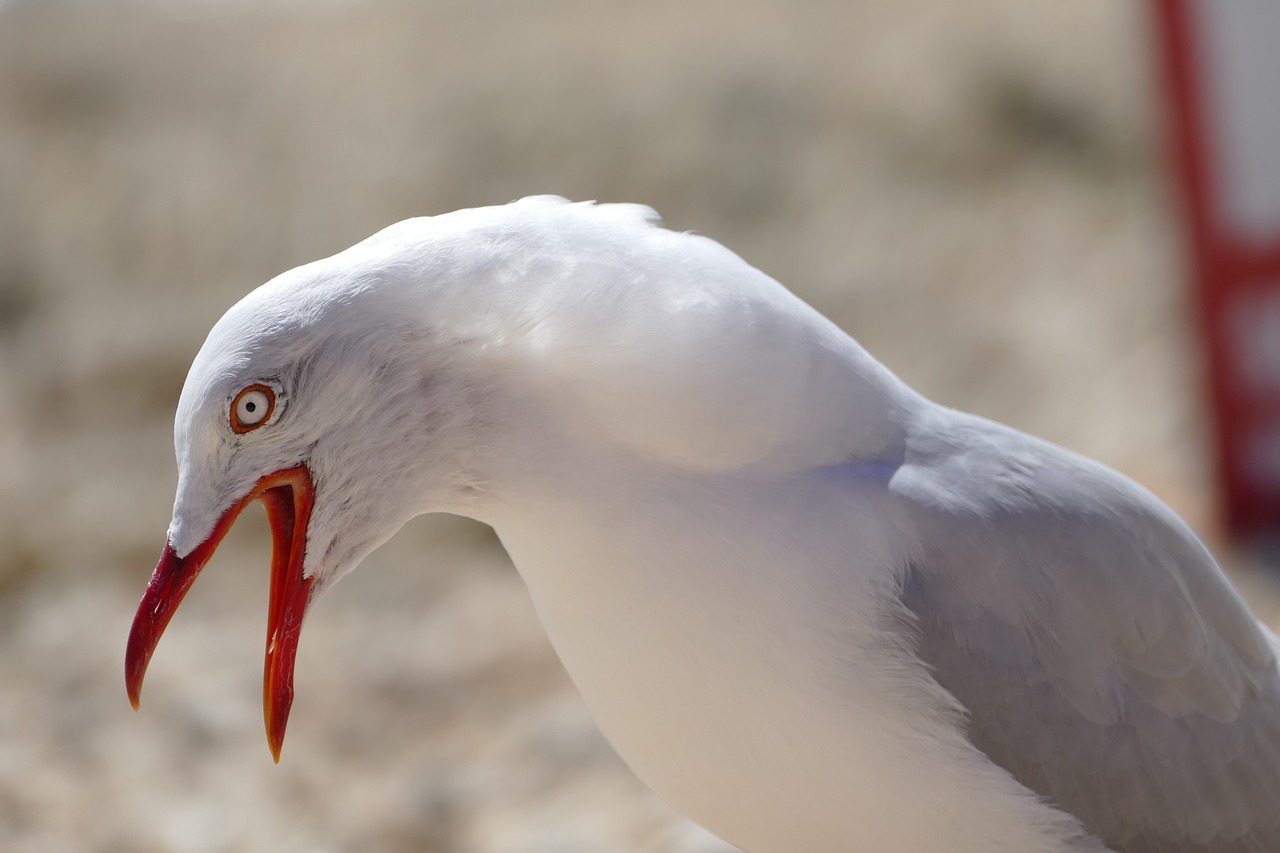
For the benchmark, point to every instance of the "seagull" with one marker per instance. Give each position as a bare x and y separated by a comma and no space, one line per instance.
812,609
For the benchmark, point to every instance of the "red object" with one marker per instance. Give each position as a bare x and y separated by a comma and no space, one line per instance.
1225,104
289,497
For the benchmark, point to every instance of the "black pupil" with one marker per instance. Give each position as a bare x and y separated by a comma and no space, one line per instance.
250,406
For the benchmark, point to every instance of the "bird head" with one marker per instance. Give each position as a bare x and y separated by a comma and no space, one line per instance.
294,401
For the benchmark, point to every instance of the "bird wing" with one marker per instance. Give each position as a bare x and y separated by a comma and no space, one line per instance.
1102,656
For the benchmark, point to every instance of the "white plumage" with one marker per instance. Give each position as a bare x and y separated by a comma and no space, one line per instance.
812,609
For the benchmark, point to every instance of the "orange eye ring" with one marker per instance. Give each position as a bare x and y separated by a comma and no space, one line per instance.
252,408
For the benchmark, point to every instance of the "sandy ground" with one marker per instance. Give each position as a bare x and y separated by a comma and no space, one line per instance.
976,191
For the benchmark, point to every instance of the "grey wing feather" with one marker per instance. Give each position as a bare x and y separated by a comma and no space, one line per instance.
1101,655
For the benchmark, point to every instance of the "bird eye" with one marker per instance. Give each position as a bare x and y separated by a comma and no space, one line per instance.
252,408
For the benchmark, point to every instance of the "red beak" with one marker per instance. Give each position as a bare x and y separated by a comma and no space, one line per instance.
288,497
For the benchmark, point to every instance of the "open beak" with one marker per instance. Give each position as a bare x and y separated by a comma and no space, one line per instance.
288,497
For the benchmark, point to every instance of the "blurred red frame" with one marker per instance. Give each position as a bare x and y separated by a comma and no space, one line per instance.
1237,282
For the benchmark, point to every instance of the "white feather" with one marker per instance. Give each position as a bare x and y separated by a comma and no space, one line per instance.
716,498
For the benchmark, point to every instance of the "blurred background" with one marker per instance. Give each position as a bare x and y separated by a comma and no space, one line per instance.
977,191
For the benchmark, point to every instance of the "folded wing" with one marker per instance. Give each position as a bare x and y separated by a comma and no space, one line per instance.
1103,658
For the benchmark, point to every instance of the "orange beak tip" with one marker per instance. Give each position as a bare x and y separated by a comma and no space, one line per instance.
288,511
275,728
